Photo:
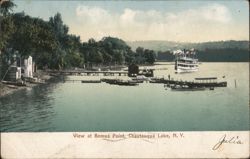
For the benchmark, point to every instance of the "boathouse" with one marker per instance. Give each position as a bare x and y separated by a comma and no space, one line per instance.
14,73
133,70
19,69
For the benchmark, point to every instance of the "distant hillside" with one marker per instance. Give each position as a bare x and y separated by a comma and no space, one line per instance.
212,55
221,51
169,45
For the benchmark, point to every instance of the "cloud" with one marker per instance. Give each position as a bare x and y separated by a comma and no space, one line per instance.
217,13
201,24
128,16
93,15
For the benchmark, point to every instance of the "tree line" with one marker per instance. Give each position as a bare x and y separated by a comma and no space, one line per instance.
51,45
202,46
211,55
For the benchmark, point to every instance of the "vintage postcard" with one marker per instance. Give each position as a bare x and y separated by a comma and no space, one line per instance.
124,79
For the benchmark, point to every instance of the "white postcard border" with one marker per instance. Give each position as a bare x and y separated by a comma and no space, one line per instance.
183,144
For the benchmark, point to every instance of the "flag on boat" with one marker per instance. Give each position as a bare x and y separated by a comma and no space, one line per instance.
178,52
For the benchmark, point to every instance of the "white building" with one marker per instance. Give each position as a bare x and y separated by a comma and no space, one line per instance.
28,67
18,73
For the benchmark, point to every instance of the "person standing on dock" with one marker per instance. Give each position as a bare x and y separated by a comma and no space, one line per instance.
168,76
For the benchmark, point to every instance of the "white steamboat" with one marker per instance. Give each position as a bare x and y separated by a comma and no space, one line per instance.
185,61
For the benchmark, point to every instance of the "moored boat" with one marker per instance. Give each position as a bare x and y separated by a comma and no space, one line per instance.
157,80
207,82
109,81
187,88
91,81
137,81
122,82
185,61
127,83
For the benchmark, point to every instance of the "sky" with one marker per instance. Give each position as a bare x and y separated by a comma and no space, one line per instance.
171,20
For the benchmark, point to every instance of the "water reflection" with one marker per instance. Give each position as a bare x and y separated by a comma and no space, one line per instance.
28,109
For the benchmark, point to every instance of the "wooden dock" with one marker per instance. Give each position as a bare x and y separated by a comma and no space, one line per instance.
82,81
210,82
89,72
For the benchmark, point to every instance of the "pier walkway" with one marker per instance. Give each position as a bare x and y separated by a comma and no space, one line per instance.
89,72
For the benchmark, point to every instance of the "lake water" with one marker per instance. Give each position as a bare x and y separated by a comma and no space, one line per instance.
69,106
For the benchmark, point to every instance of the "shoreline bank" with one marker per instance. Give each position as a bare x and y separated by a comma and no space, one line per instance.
7,89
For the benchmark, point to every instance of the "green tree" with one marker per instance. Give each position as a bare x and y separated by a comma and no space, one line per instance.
107,58
149,56
92,42
74,58
96,56
117,49
139,51
59,28
7,28
61,33
119,57
130,57
140,55
33,36
6,6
